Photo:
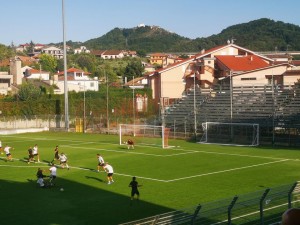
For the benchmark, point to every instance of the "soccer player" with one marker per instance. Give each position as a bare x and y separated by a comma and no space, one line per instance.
35,152
40,177
101,162
53,173
56,155
30,155
63,161
110,172
130,144
7,152
134,189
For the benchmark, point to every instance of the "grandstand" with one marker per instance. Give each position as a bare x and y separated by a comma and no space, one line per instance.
275,109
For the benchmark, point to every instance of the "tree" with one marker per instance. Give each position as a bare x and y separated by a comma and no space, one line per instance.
86,62
134,69
48,63
29,92
5,52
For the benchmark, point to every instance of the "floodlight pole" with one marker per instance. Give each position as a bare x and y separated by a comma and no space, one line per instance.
231,95
65,71
133,106
195,111
84,122
273,106
107,119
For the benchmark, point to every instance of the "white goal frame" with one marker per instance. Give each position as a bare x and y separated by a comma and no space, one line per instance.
149,131
232,127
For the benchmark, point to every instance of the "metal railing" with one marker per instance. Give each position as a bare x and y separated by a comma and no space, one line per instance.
259,208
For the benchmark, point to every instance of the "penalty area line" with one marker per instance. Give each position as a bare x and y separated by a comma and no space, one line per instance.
229,170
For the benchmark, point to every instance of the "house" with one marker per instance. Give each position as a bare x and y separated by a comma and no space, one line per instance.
38,47
97,53
113,54
158,58
136,83
77,80
10,80
6,80
22,47
30,73
27,60
163,59
82,49
218,65
54,51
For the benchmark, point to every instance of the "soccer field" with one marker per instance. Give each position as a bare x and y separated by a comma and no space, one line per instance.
172,178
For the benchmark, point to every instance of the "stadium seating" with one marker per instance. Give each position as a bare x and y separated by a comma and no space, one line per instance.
266,105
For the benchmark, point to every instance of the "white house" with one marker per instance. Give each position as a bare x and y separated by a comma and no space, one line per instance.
31,73
54,51
77,80
82,49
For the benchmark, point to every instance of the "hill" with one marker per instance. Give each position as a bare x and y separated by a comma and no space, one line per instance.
148,39
258,35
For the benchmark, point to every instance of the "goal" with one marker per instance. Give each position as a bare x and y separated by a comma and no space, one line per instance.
240,134
144,134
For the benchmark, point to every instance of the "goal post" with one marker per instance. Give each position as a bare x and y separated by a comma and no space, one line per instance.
144,134
239,134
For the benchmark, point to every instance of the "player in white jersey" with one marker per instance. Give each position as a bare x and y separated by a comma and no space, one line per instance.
35,152
53,173
7,153
110,172
101,162
63,161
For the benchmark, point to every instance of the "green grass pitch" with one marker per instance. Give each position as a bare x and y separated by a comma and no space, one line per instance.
174,178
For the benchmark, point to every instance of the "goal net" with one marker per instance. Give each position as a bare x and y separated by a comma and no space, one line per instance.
240,134
144,134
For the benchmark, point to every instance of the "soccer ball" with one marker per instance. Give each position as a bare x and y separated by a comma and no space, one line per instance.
61,189
125,142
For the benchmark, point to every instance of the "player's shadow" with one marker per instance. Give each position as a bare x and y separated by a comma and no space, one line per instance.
95,178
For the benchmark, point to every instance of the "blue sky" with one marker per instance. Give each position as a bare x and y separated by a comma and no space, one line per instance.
41,20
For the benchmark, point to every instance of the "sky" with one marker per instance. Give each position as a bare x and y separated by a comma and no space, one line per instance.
40,21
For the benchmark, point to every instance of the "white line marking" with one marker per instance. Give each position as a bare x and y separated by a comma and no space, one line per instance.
159,180
229,170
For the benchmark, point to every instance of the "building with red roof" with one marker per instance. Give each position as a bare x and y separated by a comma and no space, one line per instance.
217,66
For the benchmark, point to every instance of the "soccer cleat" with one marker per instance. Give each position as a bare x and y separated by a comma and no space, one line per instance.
108,183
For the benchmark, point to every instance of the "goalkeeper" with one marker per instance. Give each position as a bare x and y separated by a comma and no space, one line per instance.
130,144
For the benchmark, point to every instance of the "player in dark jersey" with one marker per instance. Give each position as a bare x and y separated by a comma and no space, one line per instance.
30,155
130,144
134,189
56,155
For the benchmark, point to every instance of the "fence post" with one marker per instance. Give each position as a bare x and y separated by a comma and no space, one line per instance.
174,125
230,208
155,220
261,207
195,214
290,195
